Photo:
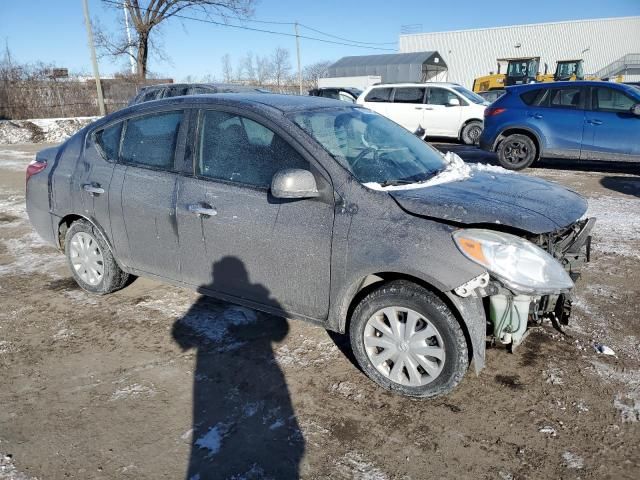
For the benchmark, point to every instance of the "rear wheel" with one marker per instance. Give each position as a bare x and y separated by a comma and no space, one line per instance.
517,152
471,132
408,341
90,260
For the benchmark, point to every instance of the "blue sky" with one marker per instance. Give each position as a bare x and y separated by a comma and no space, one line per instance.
52,31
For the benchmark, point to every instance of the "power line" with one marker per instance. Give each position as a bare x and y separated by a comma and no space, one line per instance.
346,39
272,32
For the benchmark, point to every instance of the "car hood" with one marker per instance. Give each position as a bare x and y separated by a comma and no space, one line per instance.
515,200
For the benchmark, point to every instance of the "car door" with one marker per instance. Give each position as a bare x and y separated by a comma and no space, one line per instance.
560,119
611,130
440,118
238,240
150,145
407,107
93,174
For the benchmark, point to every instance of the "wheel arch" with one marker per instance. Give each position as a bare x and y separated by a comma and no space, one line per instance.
519,131
364,285
467,122
65,223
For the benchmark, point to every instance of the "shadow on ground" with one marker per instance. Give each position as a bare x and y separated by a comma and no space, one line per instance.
244,425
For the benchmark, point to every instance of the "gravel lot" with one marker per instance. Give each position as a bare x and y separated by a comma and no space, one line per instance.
153,382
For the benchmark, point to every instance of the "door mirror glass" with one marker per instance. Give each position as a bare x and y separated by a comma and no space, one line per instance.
636,109
454,102
294,183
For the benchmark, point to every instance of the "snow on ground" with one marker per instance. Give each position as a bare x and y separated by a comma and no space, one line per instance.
617,227
41,130
627,402
354,465
8,470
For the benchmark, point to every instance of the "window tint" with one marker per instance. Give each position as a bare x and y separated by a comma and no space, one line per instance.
175,91
330,94
609,99
565,97
151,140
379,95
536,98
440,96
409,95
152,94
237,149
109,140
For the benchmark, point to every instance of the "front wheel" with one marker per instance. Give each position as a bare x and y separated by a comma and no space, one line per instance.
517,152
471,132
408,341
90,260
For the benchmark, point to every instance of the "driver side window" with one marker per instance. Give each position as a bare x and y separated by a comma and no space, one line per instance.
237,149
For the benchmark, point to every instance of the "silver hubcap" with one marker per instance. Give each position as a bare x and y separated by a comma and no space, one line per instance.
86,258
404,346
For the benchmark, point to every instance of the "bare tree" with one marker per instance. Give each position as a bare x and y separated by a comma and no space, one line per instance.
248,68
311,73
281,64
264,70
227,69
147,15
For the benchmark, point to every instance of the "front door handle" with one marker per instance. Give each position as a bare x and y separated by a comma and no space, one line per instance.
202,210
93,189
536,115
419,108
595,122
428,108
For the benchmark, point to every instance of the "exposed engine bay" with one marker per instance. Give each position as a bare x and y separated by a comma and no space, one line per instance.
510,310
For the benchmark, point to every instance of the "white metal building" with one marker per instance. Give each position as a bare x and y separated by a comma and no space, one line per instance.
603,43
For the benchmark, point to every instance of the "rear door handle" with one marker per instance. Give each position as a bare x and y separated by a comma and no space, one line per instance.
419,108
202,210
536,115
595,122
428,108
93,189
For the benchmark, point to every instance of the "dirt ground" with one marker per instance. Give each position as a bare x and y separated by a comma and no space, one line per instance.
121,386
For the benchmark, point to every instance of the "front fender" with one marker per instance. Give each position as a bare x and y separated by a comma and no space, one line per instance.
471,312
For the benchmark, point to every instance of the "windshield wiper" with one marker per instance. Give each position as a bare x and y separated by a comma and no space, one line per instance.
395,183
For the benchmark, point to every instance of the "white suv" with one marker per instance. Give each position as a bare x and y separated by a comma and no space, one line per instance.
441,109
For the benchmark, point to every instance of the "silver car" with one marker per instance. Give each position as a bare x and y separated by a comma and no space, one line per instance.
317,210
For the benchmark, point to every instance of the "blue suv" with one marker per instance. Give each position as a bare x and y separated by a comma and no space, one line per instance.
586,120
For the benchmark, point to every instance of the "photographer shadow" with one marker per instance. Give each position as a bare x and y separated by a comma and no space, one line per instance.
244,424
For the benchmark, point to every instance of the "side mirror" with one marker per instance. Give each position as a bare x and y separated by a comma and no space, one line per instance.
294,183
453,102
636,109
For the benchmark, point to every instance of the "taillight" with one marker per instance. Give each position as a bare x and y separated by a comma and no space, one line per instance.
36,166
493,111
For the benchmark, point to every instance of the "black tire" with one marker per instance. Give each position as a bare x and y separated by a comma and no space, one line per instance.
471,132
405,294
113,277
517,152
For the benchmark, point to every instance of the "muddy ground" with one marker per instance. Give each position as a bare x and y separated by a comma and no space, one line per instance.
121,386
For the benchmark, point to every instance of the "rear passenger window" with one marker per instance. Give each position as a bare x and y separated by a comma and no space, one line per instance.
237,149
379,95
108,140
440,96
565,98
409,95
151,140
536,98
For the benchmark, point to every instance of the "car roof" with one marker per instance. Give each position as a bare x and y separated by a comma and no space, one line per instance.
283,103
575,83
414,84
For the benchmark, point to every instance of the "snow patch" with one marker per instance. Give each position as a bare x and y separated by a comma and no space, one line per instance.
31,255
354,465
627,403
15,160
41,130
212,440
571,460
617,228
455,171
8,470
133,391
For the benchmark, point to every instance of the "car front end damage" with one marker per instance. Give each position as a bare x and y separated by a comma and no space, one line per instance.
527,280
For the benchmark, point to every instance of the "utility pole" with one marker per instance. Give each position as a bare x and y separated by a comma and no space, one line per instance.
94,60
125,6
298,50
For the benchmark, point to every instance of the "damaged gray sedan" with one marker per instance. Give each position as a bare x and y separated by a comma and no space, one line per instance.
313,209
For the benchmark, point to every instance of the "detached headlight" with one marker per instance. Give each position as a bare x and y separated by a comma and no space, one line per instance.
518,263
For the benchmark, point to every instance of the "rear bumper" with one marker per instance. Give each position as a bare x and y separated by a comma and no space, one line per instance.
486,143
37,203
